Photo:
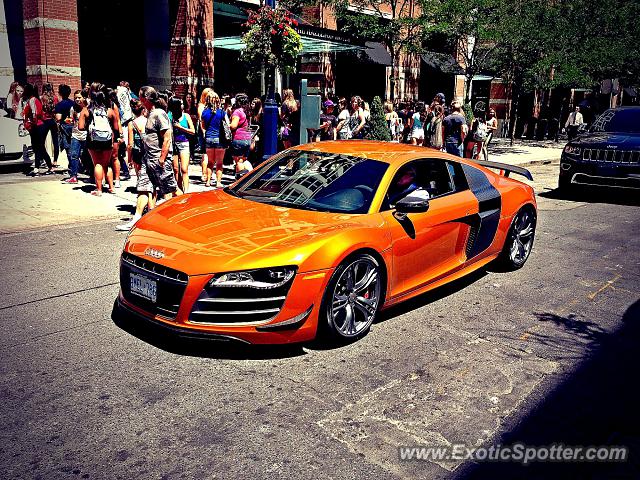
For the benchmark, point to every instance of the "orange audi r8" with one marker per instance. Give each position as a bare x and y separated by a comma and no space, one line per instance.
319,238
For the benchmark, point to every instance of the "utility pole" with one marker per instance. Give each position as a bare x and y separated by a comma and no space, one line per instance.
270,107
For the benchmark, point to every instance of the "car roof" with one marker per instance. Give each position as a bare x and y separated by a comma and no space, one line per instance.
388,152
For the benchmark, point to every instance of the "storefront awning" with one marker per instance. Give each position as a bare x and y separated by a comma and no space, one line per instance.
442,62
377,53
314,40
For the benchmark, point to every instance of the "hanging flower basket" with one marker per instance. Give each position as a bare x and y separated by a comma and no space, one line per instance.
271,41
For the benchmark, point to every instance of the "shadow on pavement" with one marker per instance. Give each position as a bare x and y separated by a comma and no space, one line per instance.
199,347
124,207
597,404
596,195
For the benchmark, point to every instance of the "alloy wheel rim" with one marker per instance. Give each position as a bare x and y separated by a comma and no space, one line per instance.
522,238
355,298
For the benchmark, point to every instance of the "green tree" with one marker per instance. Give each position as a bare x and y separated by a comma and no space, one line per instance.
470,26
378,128
394,23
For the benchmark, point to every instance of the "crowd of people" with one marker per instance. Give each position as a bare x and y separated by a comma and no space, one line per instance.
111,134
436,125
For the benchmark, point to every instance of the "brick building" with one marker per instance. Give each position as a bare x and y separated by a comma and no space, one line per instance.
188,44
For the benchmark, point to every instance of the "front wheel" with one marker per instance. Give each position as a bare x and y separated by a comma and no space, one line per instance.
352,298
519,242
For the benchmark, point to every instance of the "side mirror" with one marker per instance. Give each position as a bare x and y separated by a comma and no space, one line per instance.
412,204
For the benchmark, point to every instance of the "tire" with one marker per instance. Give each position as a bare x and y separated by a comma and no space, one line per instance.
345,315
564,184
519,242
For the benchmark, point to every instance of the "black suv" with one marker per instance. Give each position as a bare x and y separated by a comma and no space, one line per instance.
608,154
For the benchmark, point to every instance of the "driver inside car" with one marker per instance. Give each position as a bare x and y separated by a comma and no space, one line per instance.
404,184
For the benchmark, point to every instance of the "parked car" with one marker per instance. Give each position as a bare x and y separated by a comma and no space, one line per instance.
15,143
607,155
318,239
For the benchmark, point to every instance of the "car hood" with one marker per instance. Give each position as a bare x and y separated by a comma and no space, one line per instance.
605,140
212,232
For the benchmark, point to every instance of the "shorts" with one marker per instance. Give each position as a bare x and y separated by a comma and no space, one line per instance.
136,156
240,148
417,133
181,147
212,142
143,184
99,145
162,177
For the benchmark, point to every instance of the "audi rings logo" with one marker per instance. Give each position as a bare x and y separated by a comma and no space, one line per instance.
154,253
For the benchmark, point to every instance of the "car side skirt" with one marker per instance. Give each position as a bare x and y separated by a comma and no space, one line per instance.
464,270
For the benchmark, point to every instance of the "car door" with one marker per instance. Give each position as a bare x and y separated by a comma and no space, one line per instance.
427,246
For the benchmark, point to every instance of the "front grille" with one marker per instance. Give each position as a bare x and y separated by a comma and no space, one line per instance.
611,156
233,305
170,283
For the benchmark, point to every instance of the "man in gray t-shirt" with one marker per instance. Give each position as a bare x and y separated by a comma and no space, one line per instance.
157,143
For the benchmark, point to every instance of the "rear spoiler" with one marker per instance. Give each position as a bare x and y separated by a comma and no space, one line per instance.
507,168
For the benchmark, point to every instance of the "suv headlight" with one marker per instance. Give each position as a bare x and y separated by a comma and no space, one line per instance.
572,150
262,278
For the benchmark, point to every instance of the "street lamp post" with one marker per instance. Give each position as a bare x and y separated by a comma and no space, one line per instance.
270,108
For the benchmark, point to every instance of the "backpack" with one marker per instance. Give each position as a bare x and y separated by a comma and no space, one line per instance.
100,128
481,133
225,131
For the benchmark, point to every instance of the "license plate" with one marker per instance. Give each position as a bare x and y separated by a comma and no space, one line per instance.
144,287
1,149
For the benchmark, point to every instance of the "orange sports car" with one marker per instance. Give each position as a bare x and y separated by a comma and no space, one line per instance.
319,238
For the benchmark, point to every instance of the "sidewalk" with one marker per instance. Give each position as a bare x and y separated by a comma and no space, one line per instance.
33,203
525,152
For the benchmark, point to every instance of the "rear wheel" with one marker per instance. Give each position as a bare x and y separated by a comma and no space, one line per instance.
519,242
352,298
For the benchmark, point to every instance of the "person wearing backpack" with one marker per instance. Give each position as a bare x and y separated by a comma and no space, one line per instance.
217,136
477,136
34,123
102,126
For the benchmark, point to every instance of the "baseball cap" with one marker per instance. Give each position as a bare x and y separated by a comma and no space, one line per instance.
329,103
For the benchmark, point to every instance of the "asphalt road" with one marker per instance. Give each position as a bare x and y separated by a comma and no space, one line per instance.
543,355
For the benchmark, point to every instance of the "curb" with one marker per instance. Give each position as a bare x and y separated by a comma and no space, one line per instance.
545,161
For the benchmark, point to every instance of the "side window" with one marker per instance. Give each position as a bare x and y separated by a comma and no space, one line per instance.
457,176
435,176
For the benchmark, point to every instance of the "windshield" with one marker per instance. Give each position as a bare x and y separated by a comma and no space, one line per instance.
622,121
319,181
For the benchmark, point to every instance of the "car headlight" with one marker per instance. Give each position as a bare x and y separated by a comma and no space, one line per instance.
572,150
262,278
22,132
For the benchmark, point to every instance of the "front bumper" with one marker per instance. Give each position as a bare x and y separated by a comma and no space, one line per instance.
574,171
296,322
